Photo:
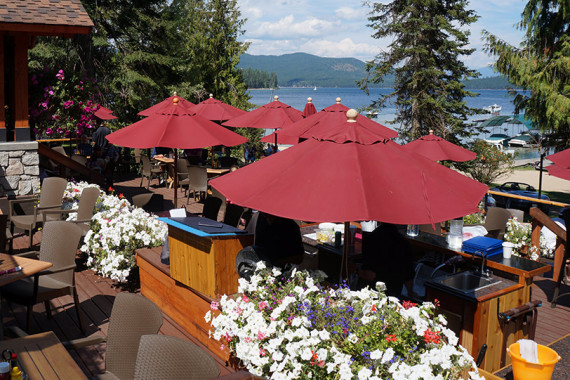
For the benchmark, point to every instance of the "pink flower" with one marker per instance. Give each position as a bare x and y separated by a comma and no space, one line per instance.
262,352
261,336
262,305
245,299
214,305
222,347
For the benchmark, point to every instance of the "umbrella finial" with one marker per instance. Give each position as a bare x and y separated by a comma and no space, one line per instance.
175,101
211,95
351,115
174,93
276,98
338,100
309,99
431,131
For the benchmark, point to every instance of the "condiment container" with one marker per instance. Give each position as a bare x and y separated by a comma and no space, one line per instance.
4,371
16,374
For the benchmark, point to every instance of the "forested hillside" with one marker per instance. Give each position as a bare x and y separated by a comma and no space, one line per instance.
254,78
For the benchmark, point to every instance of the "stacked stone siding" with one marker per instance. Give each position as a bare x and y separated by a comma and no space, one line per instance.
19,168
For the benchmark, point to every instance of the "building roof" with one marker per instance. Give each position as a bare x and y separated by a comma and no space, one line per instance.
44,17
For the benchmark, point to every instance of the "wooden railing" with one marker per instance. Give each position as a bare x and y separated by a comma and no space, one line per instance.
65,162
540,219
534,200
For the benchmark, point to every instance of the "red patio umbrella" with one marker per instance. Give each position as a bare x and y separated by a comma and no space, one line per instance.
162,106
562,157
559,170
317,125
105,114
309,108
351,173
216,110
174,127
437,149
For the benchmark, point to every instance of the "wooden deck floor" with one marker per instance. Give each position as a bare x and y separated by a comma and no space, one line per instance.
97,294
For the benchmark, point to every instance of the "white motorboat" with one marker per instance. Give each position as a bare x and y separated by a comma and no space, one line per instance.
498,139
493,109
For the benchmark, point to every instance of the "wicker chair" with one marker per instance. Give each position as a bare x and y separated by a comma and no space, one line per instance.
167,357
496,222
132,317
198,181
149,171
84,210
233,214
211,208
59,246
51,197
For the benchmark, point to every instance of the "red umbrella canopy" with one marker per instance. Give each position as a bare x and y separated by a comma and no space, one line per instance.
352,175
561,157
105,114
174,127
437,149
309,108
216,110
317,125
273,115
281,139
559,170
162,106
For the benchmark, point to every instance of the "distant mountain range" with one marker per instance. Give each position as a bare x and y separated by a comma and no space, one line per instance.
307,70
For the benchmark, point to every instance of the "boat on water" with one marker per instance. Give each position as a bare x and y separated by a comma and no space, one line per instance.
498,139
524,140
493,109
315,89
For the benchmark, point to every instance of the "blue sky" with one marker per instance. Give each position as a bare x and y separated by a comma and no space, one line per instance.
338,28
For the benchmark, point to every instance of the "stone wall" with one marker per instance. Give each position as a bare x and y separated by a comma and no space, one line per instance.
19,168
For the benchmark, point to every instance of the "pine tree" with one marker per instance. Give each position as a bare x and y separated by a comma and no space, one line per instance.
541,65
425,56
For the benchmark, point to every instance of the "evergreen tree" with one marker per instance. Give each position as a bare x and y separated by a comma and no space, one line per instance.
426,58
542,65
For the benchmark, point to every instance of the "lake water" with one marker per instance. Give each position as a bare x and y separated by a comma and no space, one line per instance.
356,98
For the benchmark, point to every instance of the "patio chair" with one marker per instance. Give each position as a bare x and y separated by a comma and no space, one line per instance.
167,357
198,181
211,208
59,246
51,197
217,194
516,213
182,173
233,214
149,171
84,210
496,222
132,316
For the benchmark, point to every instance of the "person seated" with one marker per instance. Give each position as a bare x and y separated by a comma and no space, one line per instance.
84,147
278,239
97,161
387,257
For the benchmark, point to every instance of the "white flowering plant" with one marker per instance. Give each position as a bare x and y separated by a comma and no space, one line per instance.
520,235
289,326
117,230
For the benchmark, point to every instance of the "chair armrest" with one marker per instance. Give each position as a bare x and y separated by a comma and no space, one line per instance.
57,270
84,342
55,212
13,202
32,254
81,221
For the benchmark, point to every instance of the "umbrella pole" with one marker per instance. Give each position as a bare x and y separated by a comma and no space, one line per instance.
344,275
175,179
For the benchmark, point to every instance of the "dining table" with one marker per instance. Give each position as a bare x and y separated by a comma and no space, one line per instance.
14,268
42,356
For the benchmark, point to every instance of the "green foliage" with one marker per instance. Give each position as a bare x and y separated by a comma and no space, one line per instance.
490,163
426,56
254,78
488,83
542,65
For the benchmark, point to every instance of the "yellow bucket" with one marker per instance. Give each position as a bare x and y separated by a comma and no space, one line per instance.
523,370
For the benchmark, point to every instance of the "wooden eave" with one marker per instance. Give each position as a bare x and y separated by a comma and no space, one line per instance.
45,29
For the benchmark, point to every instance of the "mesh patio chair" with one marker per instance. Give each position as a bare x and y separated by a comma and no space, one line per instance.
211,208
149,171
496,222
85,209
132,317
59,246
233,214
182,172
516,213
167,357
217,194
51,197
198,181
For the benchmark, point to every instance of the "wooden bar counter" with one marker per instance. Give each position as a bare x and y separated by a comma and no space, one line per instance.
201,270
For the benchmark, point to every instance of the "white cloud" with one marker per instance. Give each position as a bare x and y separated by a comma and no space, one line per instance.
341,49
288,28
348,13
